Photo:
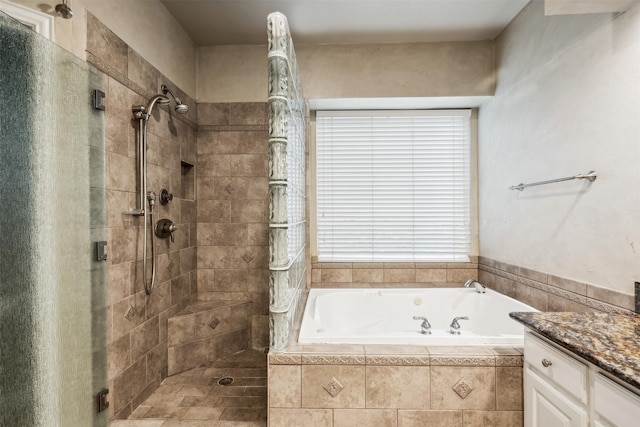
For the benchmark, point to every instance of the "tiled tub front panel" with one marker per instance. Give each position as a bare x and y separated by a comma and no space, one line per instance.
352,385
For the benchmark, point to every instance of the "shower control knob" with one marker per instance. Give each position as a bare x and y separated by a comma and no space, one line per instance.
165,228
165,196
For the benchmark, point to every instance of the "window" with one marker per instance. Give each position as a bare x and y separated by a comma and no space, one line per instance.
393,186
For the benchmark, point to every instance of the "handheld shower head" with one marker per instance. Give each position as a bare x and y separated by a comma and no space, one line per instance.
180,107
63,10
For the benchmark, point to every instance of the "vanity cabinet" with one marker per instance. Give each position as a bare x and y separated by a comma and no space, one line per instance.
562,390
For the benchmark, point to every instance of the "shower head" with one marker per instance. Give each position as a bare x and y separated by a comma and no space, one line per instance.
180,107
63,10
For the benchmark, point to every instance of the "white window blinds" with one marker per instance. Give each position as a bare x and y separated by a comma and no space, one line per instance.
393,186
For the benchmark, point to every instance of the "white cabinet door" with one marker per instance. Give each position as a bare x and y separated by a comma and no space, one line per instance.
613,405
545,406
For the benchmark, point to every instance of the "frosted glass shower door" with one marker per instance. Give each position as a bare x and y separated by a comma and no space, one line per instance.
52,211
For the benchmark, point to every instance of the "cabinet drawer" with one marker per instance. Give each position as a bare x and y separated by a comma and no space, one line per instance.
558,368
614,403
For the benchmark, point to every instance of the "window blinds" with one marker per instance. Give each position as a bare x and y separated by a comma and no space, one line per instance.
393,186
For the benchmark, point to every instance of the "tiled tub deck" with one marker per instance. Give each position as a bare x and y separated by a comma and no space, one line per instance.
395,385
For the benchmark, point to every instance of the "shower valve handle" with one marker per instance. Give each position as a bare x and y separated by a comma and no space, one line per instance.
166,228
172,229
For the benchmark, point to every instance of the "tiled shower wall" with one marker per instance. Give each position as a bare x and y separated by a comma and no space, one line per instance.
233,201
137,338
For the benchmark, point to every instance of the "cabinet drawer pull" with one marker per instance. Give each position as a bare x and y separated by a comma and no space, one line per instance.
546,363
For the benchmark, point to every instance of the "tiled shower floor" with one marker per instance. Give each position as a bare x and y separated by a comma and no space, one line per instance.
194,399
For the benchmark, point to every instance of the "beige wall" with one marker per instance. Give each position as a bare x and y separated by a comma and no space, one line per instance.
146,26
238,73
566,102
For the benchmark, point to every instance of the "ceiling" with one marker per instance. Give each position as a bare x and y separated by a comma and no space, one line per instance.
227,22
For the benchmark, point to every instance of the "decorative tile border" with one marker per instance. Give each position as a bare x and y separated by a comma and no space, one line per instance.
332,359
460,360
509,361
285,359
398,360
550,289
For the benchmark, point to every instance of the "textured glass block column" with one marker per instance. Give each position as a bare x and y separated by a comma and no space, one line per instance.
287,216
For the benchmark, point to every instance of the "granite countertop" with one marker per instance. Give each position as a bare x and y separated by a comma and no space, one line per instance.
610,341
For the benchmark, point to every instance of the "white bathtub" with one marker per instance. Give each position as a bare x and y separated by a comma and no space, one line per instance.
385,316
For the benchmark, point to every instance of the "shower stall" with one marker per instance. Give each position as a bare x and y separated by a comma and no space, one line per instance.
53,330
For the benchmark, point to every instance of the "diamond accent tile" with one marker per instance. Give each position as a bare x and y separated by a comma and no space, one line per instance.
230,188
333,387
247,257
462,388
214,322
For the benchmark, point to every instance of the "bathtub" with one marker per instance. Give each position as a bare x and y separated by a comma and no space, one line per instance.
385,316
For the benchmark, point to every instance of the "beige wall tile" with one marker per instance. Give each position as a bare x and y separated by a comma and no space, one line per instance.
231,234
335,275
231,342
398,265
612,297
398,387
338,265
260,330
431,275
105,45
430,419
493,418
285,386
532,274
128,384
368,275
249,165
556,303
188,356
398,275
119,355
364,417
483,381
567,284
316,275
533,297
316,377
300,417
367,265
461,275
144,338
249,211
214,211
509,389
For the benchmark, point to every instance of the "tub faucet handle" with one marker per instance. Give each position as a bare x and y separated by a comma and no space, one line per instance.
425,326
455,326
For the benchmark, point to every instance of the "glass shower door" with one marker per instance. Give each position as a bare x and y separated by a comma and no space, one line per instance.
52,212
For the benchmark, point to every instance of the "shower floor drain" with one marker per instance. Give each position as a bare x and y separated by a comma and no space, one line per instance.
225,381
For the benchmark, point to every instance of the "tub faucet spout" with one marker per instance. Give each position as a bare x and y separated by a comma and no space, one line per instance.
425,326
480,288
